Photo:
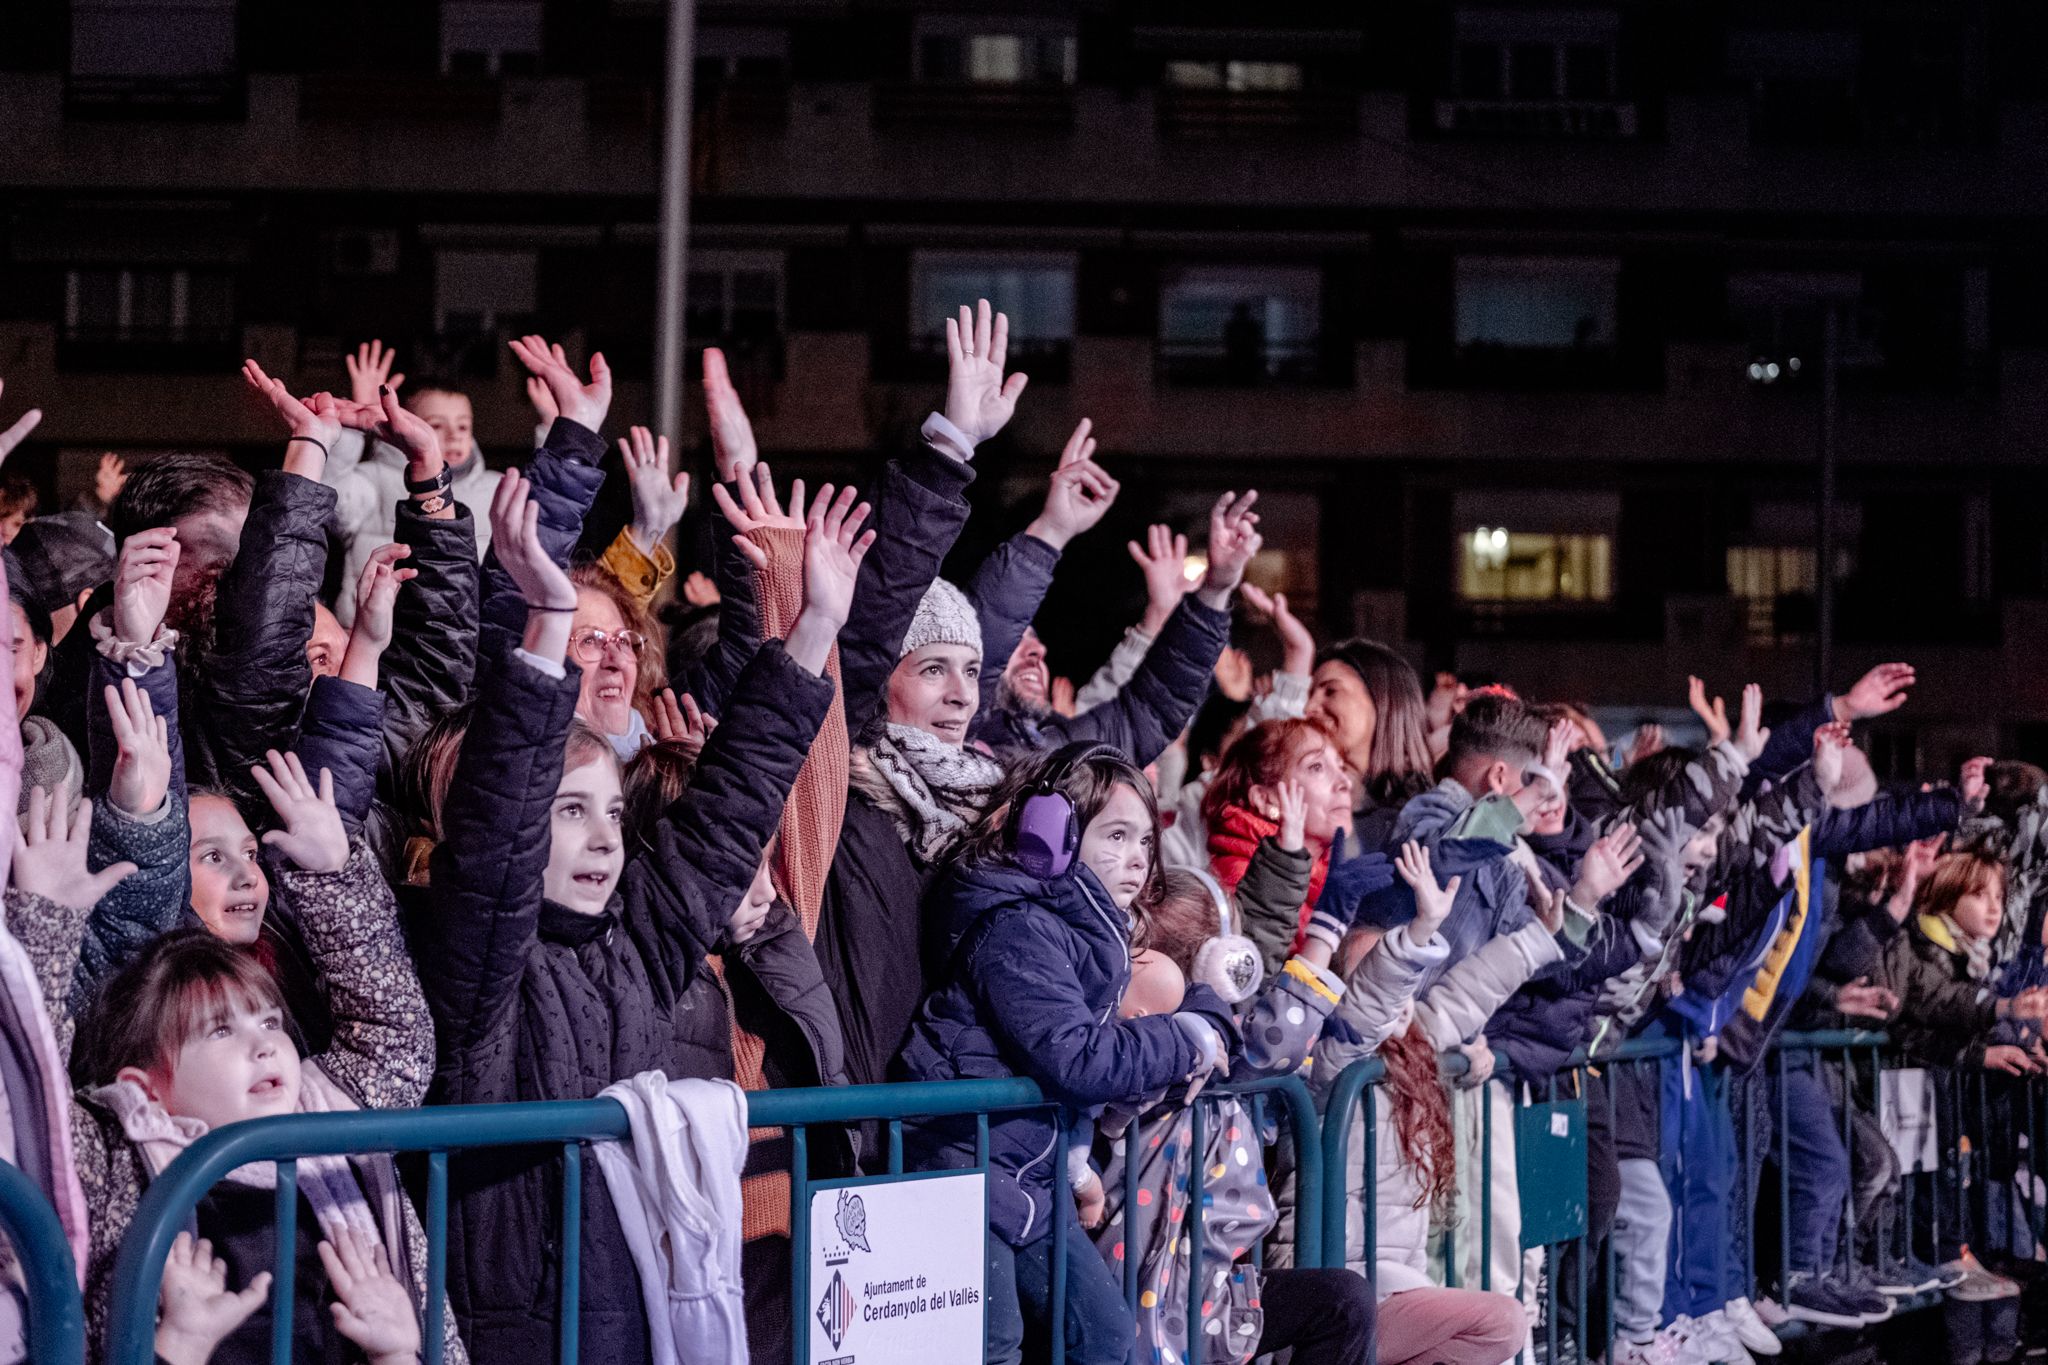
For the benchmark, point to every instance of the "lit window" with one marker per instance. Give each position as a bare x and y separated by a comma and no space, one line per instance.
995,57
1240,325
490,37
139,38
1036,291
1539,304
1019,52
1496,564
147,304
1776,585
1259,78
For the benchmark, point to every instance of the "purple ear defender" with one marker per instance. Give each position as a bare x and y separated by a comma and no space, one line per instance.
1045,836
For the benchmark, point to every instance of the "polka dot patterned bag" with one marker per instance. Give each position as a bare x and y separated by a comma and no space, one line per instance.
1237,1211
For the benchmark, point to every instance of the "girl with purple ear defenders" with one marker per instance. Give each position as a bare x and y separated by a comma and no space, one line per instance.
1037,923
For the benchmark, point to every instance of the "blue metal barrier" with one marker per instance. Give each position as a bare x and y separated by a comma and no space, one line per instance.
56,1314
172,1197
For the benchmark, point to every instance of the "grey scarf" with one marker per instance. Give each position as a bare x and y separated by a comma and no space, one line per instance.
932,790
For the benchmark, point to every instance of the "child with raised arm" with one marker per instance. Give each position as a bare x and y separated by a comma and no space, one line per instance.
562,964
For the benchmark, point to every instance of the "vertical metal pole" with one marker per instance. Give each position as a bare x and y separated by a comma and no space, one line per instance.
800,1238
568,1331
437,1255
283,1294
1824,557
675,221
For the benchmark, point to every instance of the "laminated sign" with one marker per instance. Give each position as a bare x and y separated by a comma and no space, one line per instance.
896,1267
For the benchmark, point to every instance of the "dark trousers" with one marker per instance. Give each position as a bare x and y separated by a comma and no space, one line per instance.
1603,1197
1099,1328
1326,1316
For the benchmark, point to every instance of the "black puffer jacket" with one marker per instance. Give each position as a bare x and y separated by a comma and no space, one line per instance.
532,1001
868,918
431,664
242,694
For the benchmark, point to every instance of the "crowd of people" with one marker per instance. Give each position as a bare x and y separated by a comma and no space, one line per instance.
490,826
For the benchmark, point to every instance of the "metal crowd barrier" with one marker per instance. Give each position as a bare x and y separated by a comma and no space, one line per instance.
54,1311
441,1132
1988,1183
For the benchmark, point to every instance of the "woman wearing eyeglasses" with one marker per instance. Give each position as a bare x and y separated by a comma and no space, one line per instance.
608,638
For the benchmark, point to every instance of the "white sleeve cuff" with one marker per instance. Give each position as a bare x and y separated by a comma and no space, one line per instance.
947,439
549,667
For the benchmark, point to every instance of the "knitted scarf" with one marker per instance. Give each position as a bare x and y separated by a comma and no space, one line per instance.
932,790
1975,952
1231,846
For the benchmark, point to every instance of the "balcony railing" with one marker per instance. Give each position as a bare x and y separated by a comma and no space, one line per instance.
626,102
932,104
1591,120
1227,113
181,99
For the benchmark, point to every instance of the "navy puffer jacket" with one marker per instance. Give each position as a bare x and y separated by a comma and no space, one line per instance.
1036,972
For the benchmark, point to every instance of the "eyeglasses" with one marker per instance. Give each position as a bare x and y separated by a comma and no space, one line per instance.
591,645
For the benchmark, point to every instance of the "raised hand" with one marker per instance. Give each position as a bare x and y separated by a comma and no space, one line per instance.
1289,810
371,1308
17,433
1879,692
1233,540
584,404
1433,902
1828,743
1079,494
1608,864
1059,694
700,591
834,546
1752,734
142,584
142,758
376,603
732,435
308,420
1649,739
1714,714
369,370
1547,905
680,722
402,429
49,854
542,402
759,507
196,1311
1916,861
1297,644
107,481
979,401
1163,559
658,501
1557,746
515,537
1975,784
1234,674
313,837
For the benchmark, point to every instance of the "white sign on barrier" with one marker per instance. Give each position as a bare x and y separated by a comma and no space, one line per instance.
897,1264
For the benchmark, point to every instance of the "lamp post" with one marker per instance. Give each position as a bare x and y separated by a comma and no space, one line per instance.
673,288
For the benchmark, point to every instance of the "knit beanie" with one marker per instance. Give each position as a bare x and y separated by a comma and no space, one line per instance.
944,617
49,761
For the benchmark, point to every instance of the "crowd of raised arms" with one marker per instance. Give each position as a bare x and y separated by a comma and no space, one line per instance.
482,828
